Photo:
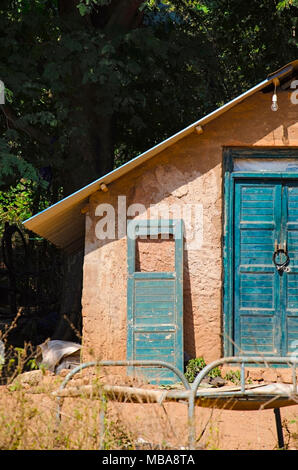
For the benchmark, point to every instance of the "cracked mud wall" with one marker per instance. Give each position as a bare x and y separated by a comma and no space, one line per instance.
189,172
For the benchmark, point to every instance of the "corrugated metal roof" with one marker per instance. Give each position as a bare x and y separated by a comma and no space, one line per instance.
64,225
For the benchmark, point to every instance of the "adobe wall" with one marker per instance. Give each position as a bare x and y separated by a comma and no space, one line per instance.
189,172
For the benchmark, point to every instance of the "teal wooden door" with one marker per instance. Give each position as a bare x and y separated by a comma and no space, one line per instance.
289,280
155,305
265,299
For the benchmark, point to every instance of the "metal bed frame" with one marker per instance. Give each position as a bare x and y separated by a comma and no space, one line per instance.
193,396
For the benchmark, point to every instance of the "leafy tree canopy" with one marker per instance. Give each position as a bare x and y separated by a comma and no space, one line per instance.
91,83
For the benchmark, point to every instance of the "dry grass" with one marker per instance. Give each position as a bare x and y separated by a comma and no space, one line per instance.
28,411
28,419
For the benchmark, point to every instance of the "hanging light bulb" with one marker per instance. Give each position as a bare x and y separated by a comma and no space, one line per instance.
274,105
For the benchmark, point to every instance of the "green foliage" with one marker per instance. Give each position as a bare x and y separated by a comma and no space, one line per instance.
216,372
17,360
194,366
85,7
93,85
233,376
287,4
68,78
12,165
18,202
32,364
117,434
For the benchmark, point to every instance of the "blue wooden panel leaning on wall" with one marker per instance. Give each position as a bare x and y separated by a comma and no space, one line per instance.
155,305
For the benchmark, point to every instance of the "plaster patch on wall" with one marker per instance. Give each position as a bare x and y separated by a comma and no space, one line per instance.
180,192
171,180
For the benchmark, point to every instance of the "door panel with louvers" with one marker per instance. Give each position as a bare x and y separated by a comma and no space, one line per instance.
256,302
155,305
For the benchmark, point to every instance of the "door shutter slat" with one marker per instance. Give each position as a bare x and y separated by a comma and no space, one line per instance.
155,306
257,221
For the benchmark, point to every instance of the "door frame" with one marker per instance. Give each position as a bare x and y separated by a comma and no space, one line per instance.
229,154
147,227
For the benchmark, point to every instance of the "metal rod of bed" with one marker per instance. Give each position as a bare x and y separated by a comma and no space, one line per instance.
191,392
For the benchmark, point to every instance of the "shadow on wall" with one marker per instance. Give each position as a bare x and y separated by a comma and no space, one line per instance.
189,172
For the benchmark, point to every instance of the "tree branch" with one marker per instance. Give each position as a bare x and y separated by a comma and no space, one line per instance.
125,14
27,128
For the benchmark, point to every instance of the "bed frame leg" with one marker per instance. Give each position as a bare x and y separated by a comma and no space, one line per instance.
280,436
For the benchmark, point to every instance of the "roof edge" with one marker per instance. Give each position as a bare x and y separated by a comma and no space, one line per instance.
90,188
80,196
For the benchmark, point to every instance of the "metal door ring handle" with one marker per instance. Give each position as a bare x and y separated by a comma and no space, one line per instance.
280,266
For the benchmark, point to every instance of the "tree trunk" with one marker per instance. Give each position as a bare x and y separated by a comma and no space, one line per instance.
94,156
92,147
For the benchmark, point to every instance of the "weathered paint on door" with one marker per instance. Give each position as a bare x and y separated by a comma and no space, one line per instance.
155,305
265,300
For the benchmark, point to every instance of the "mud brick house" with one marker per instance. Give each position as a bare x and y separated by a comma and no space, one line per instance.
191,249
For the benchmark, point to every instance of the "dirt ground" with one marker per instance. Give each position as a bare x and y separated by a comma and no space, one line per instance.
223,429
28,421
